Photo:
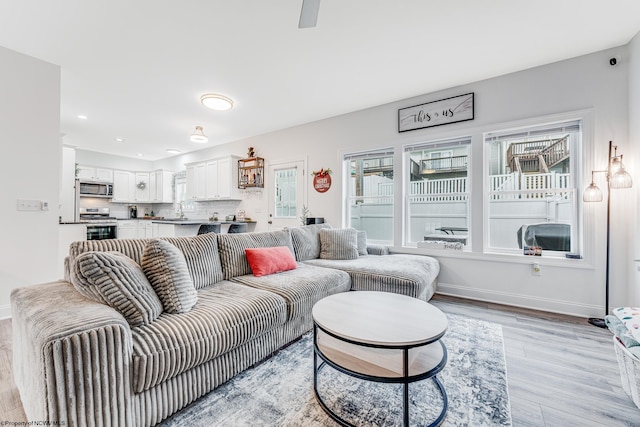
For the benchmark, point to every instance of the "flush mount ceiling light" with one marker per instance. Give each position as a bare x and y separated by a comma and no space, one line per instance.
82,117
118,139
199,136
173,151
216,102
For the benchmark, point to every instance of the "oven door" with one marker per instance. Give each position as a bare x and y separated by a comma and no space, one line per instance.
101,232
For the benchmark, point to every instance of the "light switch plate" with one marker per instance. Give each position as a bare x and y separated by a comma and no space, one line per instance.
29,205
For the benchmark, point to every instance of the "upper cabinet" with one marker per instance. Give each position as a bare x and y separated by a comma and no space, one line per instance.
212,179
142,187
123,186
161,186
90,173
142,190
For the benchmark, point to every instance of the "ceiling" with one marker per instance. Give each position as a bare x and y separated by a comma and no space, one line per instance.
137,69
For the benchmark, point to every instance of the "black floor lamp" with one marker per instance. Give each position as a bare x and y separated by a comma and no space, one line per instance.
617,177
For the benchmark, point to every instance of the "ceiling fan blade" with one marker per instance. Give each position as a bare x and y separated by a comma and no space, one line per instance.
309,13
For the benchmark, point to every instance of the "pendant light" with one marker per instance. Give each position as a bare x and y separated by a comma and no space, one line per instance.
199,136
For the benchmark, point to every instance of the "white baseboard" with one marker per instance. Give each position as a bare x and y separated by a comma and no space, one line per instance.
5,311
519,300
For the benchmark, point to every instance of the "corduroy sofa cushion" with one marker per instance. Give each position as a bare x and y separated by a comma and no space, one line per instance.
200,252
306,241
412,275
339,243
167,270
227,315
301,288
116,280
232,246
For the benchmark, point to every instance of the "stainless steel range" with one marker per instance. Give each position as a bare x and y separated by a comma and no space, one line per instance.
100,224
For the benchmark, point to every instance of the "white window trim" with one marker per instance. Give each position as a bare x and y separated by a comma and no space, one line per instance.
344,157
584,218
443,143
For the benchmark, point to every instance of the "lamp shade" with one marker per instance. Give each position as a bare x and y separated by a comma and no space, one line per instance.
621,178
199,136
592,193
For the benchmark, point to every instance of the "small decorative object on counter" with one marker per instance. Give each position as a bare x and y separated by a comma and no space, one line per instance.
240,216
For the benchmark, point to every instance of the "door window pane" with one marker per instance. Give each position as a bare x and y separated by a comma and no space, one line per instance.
285,193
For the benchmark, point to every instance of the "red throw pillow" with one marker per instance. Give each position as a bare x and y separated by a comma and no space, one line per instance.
265,261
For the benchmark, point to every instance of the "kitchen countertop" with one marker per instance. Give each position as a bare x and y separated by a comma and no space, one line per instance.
195,222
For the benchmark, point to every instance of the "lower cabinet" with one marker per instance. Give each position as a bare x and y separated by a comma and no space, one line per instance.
127,229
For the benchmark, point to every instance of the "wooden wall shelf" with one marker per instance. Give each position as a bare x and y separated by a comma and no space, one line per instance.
251,173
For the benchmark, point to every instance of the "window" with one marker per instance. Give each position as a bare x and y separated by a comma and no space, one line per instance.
182,204
369,198
532,181
437,193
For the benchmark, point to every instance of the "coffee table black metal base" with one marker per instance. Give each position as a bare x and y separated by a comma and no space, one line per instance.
405,380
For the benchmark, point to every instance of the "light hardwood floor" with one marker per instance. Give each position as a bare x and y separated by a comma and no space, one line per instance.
561,370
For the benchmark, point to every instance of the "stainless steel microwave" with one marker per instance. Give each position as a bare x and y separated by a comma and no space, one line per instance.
96,189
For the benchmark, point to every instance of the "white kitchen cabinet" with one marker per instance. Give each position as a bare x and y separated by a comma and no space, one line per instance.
161,189
123,186
127,229
211,168
91,173
146,229
196,181
142,187
213,179
227,176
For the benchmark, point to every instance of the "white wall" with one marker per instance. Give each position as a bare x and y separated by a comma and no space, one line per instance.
586,82
29,131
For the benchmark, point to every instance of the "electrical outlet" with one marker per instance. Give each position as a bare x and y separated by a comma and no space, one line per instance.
29,205
535,269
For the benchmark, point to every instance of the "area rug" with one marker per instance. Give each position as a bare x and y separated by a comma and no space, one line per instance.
279,391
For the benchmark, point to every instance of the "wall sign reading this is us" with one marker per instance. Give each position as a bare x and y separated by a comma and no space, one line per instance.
436,113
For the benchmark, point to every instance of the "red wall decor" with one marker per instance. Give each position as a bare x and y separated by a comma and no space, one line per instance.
322,180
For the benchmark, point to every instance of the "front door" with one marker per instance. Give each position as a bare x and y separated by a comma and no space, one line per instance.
287,194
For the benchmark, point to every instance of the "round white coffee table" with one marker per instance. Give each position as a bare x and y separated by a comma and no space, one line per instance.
379,336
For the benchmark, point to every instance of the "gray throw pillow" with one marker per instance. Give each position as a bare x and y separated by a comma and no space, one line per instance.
167,270
338,243
306,241
118,281
362,242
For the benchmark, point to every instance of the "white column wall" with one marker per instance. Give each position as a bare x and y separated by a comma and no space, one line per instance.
31,149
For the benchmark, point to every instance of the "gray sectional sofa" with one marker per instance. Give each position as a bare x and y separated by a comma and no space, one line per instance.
99,348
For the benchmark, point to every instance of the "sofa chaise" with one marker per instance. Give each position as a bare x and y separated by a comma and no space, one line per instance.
140,328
